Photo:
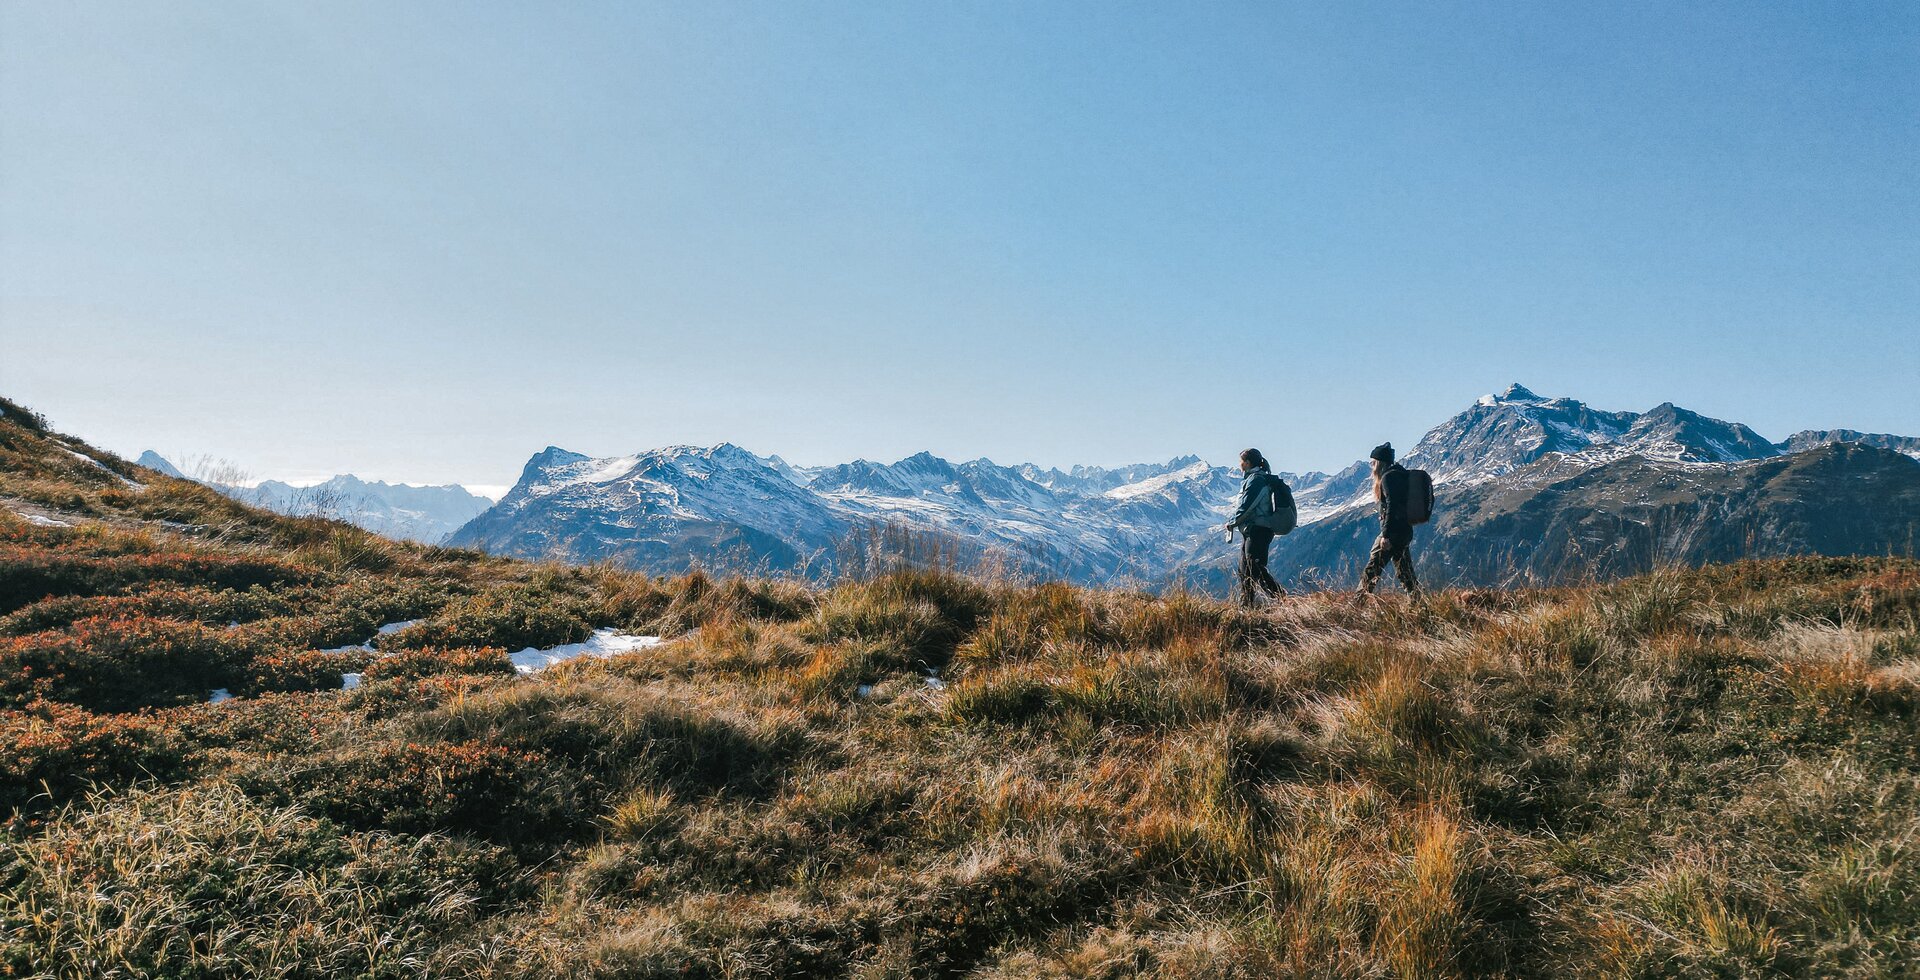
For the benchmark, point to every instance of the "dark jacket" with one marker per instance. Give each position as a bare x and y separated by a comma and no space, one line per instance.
1393,502
1256,497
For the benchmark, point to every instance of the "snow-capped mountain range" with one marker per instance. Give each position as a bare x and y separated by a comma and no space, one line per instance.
1532,480
672,508
677,507
426,514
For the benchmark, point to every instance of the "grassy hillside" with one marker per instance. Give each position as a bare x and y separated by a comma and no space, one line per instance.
1709,773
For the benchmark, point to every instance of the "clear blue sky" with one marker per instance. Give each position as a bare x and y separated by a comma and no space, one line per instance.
421,241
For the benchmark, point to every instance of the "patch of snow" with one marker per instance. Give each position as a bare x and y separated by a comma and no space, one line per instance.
38,520
83,457
367,647
1153,484
864,691
218,695
604,642
609,470
349,681
934,682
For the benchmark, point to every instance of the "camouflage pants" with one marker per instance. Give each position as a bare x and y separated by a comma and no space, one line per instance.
1396,549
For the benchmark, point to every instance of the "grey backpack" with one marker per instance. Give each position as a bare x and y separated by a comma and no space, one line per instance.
1284,516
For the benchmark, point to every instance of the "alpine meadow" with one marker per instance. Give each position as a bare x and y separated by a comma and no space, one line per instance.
916,772
986,490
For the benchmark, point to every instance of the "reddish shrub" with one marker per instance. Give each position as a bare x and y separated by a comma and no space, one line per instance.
120,664
306,670
429,661
30,574
52,751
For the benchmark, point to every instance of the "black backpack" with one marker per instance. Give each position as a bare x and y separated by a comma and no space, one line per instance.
1419,497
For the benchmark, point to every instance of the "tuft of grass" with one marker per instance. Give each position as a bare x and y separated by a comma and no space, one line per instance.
205,881
512,617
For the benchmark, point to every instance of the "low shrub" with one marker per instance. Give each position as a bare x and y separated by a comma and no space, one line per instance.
121,664
28,575
511,617
213,607
51,752
305,670
413,664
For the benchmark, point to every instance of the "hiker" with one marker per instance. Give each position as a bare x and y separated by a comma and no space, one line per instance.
1391,492
1261,495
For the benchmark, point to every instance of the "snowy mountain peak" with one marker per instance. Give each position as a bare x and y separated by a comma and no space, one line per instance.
1668,431
547,460
924,463
154,461
1516,394
729,454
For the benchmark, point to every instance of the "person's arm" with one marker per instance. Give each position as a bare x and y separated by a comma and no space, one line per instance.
1248,493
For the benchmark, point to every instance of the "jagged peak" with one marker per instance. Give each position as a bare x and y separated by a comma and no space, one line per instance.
1516,394
554,454
731,452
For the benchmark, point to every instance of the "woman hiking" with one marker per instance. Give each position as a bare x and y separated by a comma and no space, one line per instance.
1395,543
1258,488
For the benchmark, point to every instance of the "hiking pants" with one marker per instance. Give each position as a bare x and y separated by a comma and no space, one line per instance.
1254,544
1395,547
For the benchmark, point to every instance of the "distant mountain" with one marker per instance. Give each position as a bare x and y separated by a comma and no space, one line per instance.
1563,519
1811,439
1531,489
670,509
397,510
154,461
664,510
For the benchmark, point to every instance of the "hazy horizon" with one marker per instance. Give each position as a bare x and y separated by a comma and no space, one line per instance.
495,490
420,242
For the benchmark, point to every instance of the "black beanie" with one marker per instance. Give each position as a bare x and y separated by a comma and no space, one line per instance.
1382,452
